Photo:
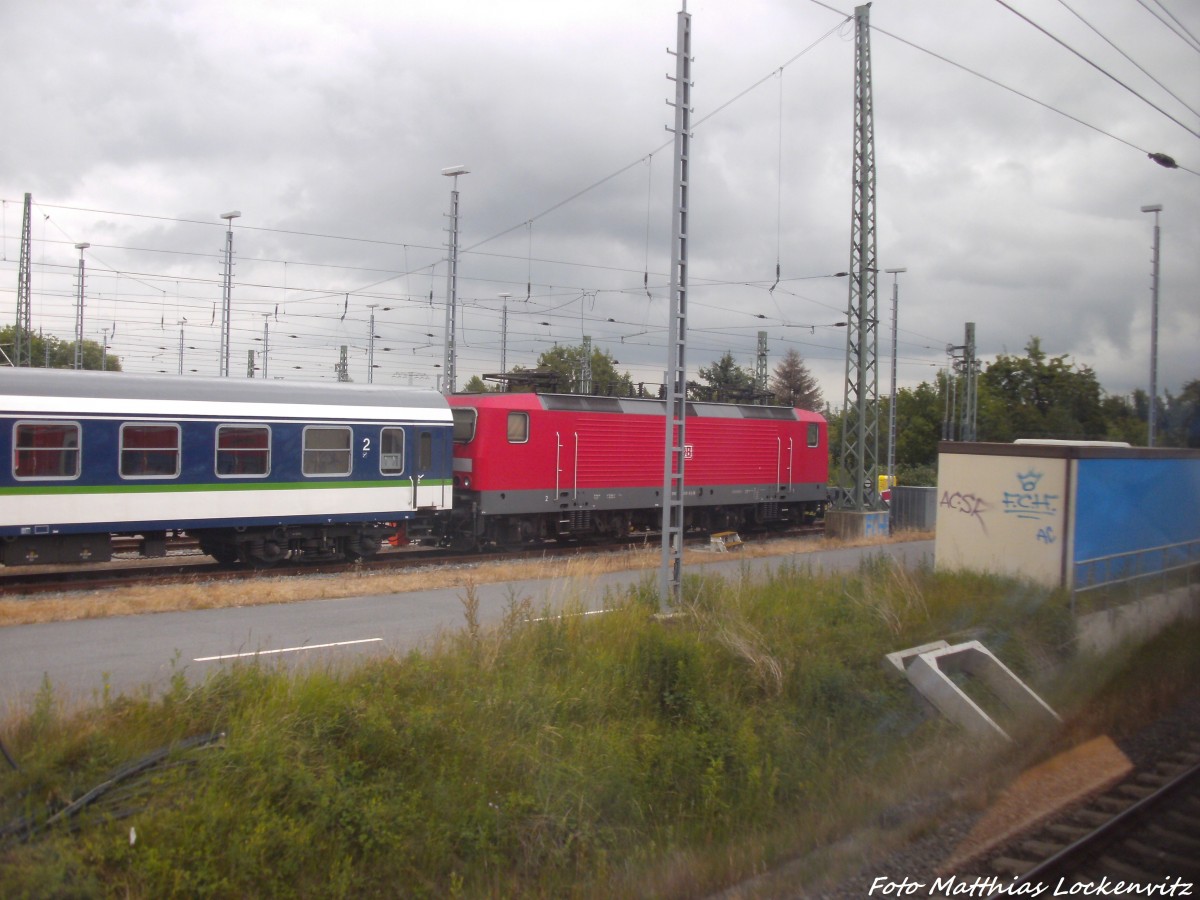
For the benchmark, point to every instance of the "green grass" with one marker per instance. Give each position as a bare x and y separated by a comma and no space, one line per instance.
623,754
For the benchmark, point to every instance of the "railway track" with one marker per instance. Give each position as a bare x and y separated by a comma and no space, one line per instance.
184,563
1141,837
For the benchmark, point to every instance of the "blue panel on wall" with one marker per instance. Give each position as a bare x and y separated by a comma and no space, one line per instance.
1124,505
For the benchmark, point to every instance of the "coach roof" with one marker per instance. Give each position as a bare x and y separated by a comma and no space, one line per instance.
123,386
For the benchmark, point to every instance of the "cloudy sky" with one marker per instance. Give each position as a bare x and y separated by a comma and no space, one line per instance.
135,125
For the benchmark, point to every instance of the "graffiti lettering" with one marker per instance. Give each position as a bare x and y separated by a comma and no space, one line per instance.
967,504
1046,535
1028,502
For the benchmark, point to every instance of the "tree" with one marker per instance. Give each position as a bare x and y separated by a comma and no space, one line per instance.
52,353
1181,419
1122,415
726,380
563,365
1036,396
792,383
476,385
919,413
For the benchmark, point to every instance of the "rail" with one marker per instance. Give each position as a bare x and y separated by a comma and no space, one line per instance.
1138,571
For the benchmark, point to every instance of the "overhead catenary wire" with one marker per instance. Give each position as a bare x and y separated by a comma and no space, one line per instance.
1178,29
1129,58
1157,157
1099,68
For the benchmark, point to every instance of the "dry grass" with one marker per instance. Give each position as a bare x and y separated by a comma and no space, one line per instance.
265,589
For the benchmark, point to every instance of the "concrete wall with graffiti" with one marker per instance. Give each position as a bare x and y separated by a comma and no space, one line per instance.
1003,514
1042,511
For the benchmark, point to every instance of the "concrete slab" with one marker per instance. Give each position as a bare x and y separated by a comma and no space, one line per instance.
897,663
1038,793
843,524
929,673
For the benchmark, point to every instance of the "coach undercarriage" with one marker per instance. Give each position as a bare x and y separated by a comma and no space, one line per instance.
297,543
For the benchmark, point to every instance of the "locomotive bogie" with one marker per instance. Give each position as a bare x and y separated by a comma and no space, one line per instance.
542,466
257,471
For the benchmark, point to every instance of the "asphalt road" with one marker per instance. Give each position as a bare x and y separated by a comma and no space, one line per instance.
143,652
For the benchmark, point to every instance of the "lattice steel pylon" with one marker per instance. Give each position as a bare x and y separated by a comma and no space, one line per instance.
23,339
761,379
676,406
860,410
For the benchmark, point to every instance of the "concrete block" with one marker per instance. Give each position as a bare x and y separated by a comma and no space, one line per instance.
897,663
929,674
1139,621
848,524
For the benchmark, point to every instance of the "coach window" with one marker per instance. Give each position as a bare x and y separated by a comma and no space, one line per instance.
814,434
46,450
149,451
391,451
243,450
424,451
518,427
326,450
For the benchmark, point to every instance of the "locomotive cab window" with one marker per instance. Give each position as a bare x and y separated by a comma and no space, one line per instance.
391,451
518,427
464,423
149,451
326,451
243,450
814,434
46,450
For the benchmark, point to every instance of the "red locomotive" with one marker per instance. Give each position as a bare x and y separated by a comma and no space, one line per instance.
531,467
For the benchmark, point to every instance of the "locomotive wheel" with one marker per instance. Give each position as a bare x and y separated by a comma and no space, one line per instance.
463,542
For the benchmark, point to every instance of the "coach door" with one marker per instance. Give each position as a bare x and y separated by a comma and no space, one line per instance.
425,470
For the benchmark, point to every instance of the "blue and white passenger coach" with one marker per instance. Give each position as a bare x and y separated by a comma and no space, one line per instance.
257,471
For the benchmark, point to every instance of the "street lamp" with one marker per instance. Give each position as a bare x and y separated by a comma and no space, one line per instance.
504,333
79,310
371,345
891,458
452,281
1155,208
227,290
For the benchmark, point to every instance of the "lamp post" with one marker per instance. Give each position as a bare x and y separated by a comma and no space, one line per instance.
371,346
504,334
452,282
266,344
891,452
227,291
79,310
1155,208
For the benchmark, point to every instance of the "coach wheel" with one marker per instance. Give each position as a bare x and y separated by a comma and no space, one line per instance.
362,547
225,554
266,555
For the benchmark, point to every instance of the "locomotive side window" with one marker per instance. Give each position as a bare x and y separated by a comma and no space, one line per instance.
391,451
518,427
464,423
814,434
243,450
149,451
326,450
46,450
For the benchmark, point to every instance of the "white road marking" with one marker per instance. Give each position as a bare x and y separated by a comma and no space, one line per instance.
586,612
285,650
